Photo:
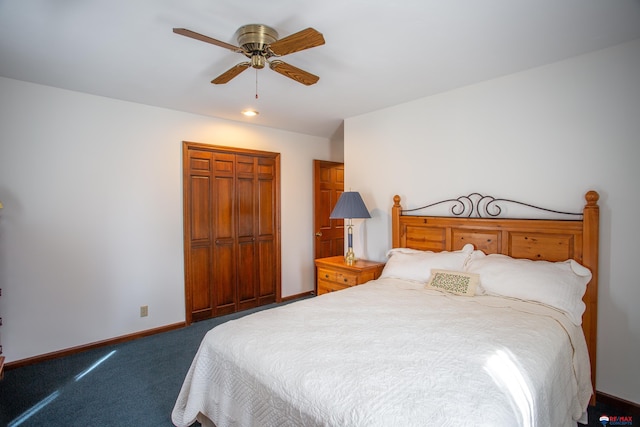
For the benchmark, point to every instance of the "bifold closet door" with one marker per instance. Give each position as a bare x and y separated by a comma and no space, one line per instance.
256,225
267,233
223,280
209,234
232,237
247,211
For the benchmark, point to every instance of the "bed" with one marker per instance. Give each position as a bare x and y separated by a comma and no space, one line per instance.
460,329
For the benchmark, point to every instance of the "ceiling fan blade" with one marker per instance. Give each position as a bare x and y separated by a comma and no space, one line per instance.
294,73
296,42
198,36
230,73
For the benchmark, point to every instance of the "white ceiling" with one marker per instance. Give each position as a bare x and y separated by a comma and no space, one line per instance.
377,53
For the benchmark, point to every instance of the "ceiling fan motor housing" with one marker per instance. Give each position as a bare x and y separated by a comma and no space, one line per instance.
255,37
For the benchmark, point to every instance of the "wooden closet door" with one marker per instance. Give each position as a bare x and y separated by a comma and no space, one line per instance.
198,233
257,225
246,215
232,230
267,226
224,234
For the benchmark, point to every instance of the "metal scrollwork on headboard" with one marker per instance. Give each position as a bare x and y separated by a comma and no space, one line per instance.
481,206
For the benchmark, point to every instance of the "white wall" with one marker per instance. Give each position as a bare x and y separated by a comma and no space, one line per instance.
92,222
544,136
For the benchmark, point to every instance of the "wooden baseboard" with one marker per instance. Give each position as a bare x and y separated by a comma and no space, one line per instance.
624,407
298,296
91,346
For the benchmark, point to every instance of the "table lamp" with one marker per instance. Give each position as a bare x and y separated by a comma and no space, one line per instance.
349,206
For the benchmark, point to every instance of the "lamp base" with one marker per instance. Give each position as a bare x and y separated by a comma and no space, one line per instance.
350,257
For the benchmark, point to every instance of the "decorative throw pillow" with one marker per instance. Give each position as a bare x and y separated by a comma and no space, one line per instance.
454,282
416,266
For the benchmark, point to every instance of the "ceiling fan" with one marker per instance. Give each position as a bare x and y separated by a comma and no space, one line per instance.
260,44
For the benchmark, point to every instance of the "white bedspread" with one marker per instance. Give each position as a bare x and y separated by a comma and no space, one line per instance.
390,353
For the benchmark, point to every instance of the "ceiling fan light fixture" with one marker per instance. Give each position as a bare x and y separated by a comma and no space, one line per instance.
257,61
250,112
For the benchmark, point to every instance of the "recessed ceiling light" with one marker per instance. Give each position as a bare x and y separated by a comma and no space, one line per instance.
250,113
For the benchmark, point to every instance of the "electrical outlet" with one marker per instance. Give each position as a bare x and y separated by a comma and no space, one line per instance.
144,311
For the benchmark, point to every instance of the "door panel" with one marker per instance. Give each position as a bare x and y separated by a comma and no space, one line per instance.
246,213
267,272
200,208
224,266
246,207
247,285
266,208
224,280
201,278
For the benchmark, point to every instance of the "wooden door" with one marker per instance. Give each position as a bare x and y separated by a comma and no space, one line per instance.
328,186
223,226
268,230
257,254
198,233
246,213
231,229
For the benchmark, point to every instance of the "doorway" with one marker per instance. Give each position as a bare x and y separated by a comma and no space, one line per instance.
328,186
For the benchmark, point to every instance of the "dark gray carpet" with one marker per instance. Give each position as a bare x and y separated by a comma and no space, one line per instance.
133,384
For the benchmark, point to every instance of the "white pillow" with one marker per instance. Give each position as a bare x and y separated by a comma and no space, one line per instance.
416,265
558,284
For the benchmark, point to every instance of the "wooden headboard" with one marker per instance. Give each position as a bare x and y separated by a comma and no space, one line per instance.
477,219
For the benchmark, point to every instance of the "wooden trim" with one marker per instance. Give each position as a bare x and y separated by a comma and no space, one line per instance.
185,232
625,407
278,244
229,149
297,296
91,346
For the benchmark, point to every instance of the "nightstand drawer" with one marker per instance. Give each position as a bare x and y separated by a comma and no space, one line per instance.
325,274
346,279
325,286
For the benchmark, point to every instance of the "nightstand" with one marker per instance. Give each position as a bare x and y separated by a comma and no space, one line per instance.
335,275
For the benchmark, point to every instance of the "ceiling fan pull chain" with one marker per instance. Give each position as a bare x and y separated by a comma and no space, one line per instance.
256,83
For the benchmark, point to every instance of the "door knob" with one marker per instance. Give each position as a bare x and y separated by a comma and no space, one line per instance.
319,234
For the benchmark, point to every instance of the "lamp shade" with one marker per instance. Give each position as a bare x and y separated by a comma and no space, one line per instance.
350,205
